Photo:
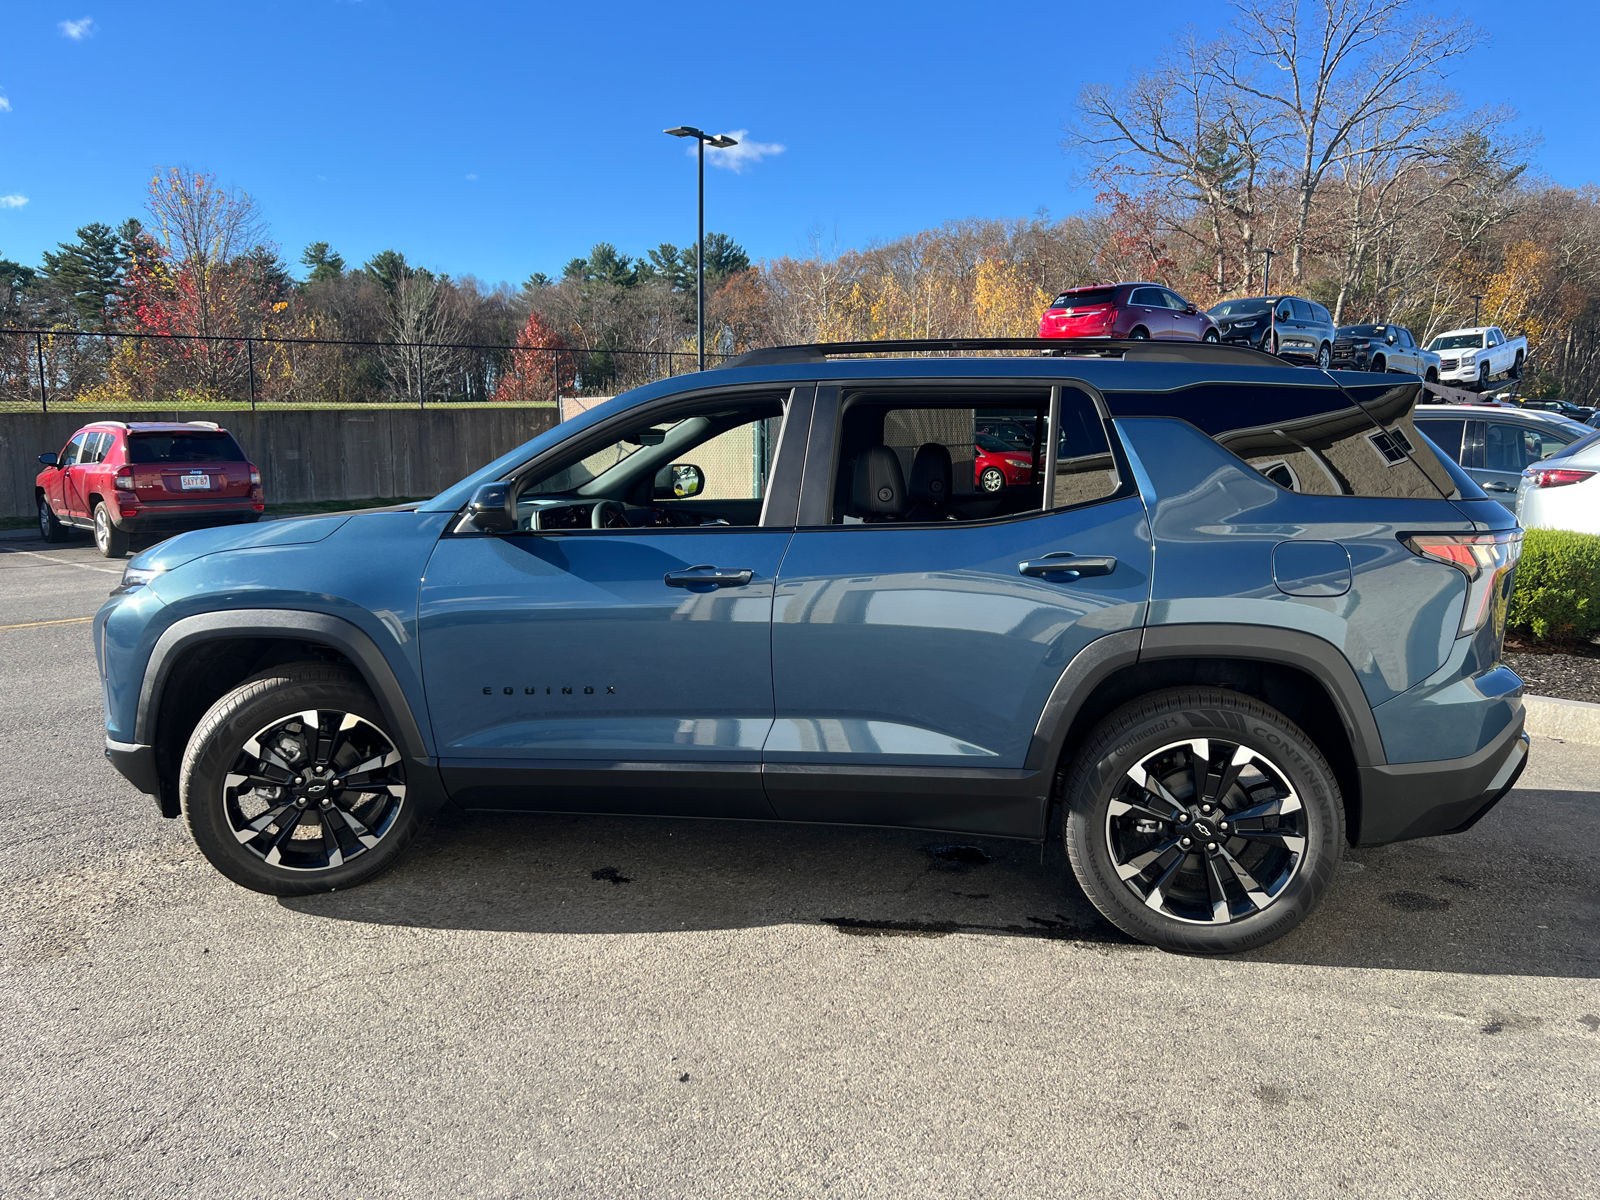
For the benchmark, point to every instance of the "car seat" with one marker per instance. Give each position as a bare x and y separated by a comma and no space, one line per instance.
931,480
878,492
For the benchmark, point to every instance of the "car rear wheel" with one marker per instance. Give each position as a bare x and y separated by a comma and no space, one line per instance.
1140,335
108,539
50,529
1202,821
992,480
292,785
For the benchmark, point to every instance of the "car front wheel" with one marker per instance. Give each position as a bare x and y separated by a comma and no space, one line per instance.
50,529
992,479
1210,336
1202,821
291,784
1324,356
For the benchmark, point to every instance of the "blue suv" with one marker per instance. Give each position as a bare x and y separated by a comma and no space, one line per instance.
1229,615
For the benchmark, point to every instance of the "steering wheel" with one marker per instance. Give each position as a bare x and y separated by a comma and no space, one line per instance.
597,514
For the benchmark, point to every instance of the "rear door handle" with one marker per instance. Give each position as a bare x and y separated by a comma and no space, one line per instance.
1068,566
706,575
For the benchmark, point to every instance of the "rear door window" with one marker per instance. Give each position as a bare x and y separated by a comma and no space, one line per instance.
1445,434
1302,310
182,449
1148,298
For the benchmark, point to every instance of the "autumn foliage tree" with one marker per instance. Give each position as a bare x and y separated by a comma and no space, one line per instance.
534,363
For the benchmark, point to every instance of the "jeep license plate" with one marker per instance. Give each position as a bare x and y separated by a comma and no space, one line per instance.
195,483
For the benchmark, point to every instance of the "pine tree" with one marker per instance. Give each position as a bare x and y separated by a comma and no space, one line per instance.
91,272
325,262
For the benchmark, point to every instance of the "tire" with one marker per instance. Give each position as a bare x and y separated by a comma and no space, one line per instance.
1140,334
1483,377
1516,367
991,480
1113,821
1380,364
1211,337
1431,376
50,529
357,834
108,539
1324,356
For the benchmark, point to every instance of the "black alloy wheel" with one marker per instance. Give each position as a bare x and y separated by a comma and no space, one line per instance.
992,480
291,784
1202,821
50,529
108,539
1483,377
1140,334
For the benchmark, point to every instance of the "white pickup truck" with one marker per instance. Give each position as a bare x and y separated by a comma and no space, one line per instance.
1472,357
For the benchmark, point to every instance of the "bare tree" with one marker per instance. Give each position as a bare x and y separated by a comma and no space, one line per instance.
1327,69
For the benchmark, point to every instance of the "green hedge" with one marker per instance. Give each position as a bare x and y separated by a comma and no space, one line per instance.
1557,596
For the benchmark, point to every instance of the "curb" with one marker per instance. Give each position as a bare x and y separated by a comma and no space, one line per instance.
1569,720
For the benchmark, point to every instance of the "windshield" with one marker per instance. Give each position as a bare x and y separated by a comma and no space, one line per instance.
1254,306
1367,331
993,445
1457,341
183,448
1581,444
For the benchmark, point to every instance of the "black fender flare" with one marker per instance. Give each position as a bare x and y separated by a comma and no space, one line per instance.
344,636
1320,659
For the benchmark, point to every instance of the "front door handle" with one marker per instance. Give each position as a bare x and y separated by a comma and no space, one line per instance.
709,576
1498,487
1068,566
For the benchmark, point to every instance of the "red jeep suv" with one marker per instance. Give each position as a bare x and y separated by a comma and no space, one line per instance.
1126,310
147,477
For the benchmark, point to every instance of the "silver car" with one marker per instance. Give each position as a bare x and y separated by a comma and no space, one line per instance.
1494,444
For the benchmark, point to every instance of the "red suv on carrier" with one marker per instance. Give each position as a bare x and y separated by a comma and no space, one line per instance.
147,477
1126,310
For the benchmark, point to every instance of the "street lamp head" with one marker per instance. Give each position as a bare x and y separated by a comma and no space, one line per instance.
684,131
722,141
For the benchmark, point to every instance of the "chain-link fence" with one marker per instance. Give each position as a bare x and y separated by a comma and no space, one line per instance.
54,370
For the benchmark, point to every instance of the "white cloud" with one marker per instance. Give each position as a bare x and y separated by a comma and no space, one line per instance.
13,201
737,158
471,176
5,105
78,30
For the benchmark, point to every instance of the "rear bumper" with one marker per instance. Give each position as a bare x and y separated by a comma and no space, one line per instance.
1424,799
174,520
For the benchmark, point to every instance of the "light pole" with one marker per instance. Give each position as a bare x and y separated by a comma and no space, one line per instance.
1266,278
1475,297
721,142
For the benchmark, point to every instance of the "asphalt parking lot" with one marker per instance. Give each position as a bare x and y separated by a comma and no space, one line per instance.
555,1006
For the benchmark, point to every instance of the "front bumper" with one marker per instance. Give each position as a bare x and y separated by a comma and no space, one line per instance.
137,764
1424,799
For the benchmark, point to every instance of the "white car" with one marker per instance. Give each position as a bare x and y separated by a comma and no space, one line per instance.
1563,492
1475,356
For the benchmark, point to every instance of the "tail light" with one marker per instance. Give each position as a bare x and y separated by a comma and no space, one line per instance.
124,479
1486,559
255,476
1543,477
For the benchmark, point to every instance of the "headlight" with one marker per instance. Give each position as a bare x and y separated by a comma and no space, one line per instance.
1245,324
133,576
1019,463
1468,359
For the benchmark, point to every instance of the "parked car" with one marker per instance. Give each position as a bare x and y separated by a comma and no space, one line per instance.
1135,311
998,464
1245,617
1574,412
1017,431
1563,491
1496,445
119,479
1472,357
1382,348
1288,326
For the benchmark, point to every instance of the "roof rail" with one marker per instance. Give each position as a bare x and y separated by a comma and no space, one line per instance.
1128,351
205,424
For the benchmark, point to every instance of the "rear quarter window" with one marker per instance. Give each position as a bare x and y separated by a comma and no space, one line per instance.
182,448
1317,440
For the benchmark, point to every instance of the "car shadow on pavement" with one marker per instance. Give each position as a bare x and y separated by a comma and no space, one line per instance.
1496,900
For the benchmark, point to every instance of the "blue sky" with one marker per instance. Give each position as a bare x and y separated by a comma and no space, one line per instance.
499,139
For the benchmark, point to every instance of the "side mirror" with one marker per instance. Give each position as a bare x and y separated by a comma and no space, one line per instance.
491,508
1390,339
49,460
1191,310
678,482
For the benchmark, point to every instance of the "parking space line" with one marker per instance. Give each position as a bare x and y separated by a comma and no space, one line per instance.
36,624
63,562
